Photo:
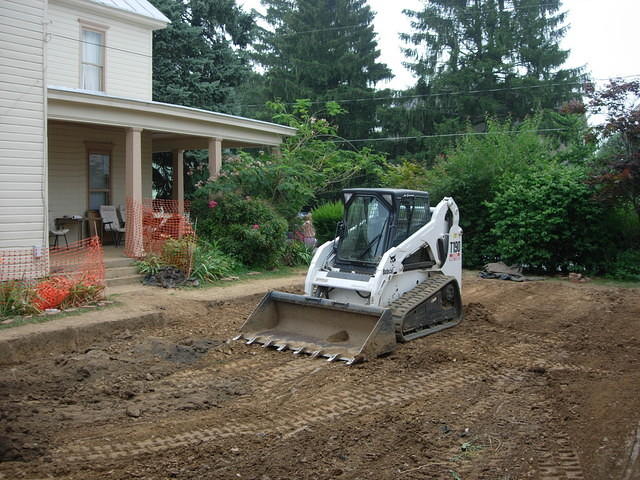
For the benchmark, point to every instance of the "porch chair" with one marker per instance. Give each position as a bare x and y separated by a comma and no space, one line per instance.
111,222
122,211
62,232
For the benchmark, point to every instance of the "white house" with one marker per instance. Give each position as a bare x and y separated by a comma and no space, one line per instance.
77,121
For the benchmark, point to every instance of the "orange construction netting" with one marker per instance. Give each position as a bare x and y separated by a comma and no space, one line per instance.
161,228
55,276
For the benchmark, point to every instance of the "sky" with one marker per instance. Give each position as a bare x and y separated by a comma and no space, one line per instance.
601,36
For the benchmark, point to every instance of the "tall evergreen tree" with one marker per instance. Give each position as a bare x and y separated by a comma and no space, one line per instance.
199,59
505,52
323,50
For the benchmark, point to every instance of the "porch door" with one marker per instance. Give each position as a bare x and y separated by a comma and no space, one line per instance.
99,179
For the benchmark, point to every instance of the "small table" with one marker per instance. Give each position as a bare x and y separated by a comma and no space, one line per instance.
64,221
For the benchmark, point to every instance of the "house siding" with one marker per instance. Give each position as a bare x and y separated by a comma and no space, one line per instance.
22,124
69,166
128,63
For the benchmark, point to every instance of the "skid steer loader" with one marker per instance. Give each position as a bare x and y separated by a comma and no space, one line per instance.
392,274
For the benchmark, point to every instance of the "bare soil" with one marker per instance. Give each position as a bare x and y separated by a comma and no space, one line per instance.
540,381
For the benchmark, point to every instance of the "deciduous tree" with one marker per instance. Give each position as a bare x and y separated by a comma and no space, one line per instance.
619,101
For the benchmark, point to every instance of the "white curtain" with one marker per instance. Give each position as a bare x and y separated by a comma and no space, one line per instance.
92,60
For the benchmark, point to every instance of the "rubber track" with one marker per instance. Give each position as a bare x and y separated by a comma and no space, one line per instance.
415,296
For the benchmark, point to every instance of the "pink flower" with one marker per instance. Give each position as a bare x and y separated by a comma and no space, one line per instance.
255,226
213,204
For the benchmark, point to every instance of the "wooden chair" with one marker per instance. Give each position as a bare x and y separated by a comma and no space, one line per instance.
111,223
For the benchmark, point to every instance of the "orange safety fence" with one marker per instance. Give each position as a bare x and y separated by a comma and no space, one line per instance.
161,228
53,277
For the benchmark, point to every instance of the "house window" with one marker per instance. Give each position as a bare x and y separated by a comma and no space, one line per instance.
99,181
92,66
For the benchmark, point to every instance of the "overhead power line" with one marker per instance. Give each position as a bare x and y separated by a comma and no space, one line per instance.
440,94
445,135
366,24
104,45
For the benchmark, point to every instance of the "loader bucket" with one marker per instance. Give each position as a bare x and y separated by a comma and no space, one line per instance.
319,327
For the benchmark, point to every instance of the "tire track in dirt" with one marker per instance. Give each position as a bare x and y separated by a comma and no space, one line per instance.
557,460
277,376
336,400
354,400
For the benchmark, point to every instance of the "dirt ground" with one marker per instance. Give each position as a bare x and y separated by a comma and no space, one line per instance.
540,381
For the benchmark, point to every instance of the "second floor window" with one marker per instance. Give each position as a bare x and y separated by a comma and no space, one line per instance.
92,61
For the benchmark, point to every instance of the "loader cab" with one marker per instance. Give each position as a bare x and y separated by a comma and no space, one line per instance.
376,220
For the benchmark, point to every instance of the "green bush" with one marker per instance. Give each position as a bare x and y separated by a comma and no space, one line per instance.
246,228
626,266
325,218
471,171
150,264
297,253
548,220
285,182
210,263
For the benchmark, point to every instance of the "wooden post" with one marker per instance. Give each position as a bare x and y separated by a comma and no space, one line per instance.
215,157
177,192
133,180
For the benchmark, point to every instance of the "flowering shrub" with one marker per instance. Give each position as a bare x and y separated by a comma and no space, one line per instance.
246,228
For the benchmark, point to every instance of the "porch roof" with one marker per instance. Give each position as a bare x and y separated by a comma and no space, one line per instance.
164,119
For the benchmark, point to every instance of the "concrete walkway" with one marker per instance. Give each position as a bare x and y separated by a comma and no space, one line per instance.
136,307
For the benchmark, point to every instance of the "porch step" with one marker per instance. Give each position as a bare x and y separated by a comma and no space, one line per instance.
128,280
120,271
117,272
117,262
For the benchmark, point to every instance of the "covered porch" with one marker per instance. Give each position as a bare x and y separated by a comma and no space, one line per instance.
100,151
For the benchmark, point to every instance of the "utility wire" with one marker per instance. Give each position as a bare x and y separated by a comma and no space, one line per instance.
440,94
366,24
103,45
446,135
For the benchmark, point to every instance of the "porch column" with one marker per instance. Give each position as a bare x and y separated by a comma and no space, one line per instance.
177,190
133,180
215,157
276,152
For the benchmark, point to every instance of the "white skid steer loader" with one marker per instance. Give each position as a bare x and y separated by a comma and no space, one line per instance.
392,274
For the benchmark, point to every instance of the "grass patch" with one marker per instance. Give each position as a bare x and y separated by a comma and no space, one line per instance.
247,275
42,318
467,450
